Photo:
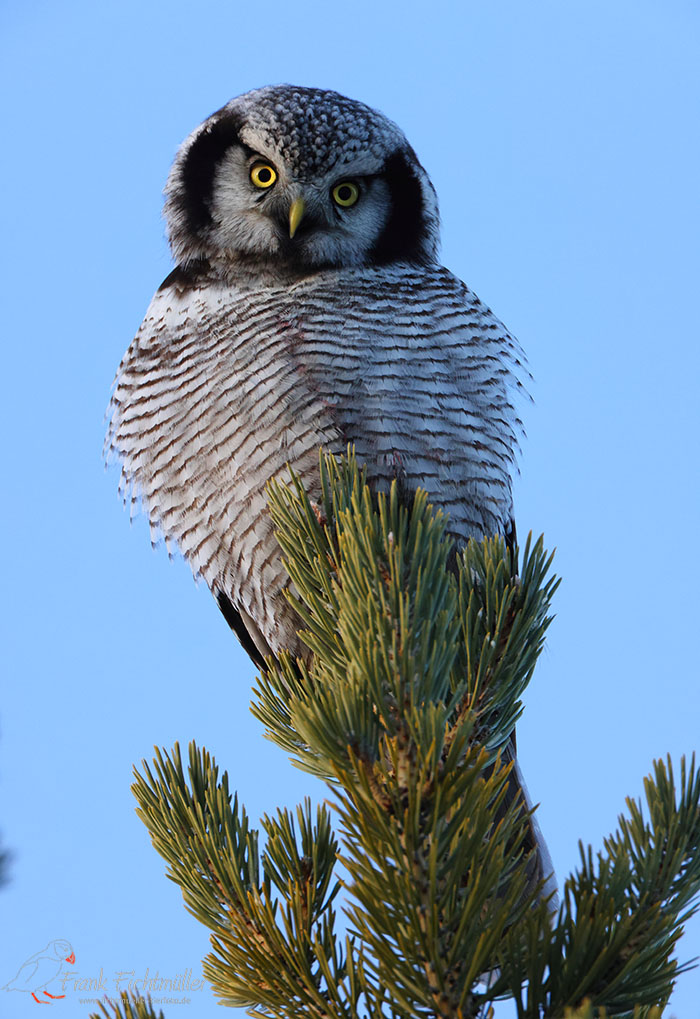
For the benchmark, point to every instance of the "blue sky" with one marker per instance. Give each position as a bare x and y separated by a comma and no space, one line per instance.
562,140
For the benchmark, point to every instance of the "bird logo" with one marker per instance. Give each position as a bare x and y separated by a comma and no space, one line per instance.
41,969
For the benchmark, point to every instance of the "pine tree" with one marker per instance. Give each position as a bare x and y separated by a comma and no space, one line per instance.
410,690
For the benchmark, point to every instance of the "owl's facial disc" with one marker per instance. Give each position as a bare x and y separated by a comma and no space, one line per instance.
264,208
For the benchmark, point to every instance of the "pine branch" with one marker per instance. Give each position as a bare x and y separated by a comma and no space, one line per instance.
623,912
435,882
405,703
390,626
271,953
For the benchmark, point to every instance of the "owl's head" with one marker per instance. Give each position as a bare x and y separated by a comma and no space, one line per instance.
301,177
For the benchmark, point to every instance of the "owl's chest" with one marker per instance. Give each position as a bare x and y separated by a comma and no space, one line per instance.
285,357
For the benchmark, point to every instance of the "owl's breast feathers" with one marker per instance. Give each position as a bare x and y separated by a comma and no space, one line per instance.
224,386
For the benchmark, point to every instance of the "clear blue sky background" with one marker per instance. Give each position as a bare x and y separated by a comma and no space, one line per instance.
563,142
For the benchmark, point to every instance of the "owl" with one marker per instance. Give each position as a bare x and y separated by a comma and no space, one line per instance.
307,308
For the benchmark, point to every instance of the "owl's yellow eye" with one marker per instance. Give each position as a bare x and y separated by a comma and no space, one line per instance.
263,175
345,194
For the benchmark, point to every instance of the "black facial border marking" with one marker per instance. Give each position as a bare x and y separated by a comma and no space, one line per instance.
200,165
186,276
404,236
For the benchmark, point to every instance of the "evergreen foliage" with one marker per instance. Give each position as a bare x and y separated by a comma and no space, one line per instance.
417,662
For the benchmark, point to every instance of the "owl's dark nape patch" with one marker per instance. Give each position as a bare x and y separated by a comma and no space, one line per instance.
200,165
403,238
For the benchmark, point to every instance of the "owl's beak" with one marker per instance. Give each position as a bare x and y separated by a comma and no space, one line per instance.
296,211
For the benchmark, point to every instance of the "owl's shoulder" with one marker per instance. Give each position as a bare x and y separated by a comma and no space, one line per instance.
187,277
399,279
442,300
190,295
397,299
199,281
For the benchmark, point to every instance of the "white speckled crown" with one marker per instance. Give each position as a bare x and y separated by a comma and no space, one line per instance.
313,127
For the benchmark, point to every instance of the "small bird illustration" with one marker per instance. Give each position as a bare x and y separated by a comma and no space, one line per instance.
308,308
41,969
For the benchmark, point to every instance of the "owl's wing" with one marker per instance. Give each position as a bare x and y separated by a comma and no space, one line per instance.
540,867
249,635
209,403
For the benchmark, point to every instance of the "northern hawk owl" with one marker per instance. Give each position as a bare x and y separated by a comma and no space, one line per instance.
308,308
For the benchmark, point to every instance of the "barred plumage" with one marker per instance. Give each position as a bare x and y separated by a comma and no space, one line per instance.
224,386
308,309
